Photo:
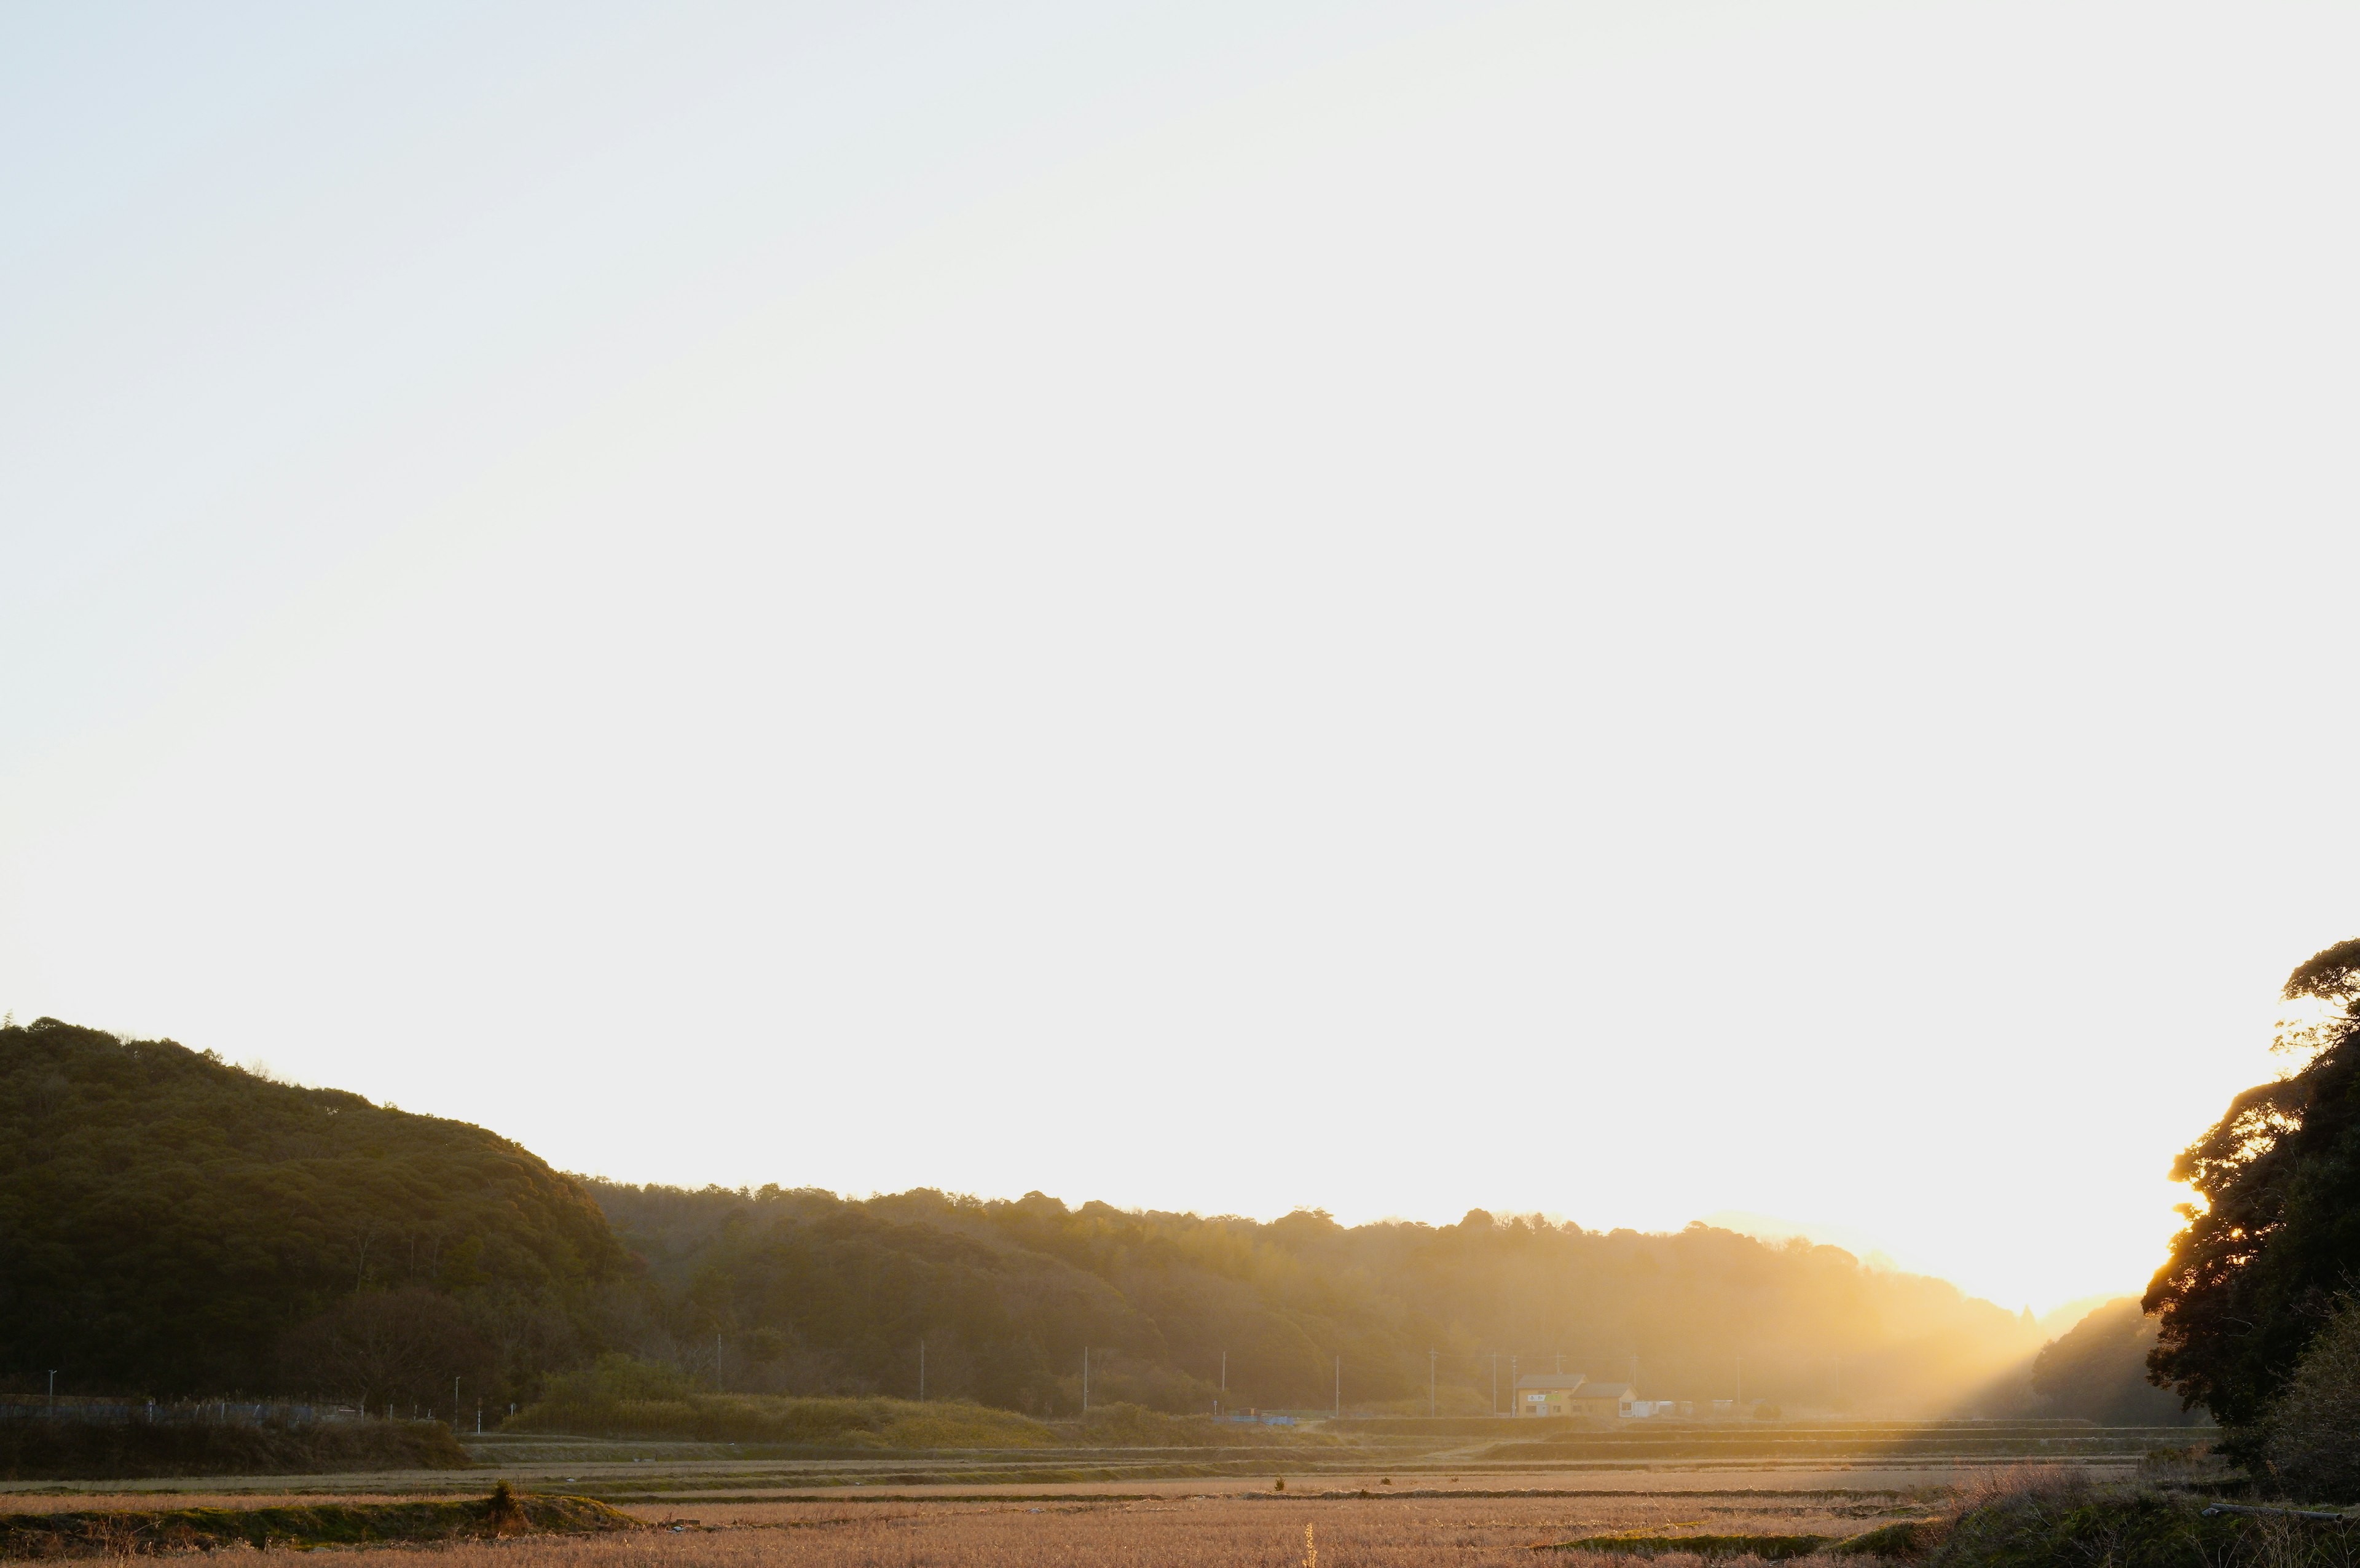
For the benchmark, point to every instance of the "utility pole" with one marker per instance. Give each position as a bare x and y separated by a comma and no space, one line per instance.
716,1363
454,1401
1560,1363
921,1371
53,1390
1495,1382
1339,1386
1225,1374
1431,1409
1511,1379
1740,1380
1085,1380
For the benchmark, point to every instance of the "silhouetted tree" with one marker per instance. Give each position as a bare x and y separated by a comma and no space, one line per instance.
2254,1274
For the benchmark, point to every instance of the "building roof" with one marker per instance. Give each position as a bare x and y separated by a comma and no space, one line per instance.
1606,1390
1550,1380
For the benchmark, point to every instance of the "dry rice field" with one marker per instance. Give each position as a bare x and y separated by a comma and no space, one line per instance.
1205,1530
1175,1532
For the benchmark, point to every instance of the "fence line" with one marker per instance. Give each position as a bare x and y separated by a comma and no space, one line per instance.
181,1412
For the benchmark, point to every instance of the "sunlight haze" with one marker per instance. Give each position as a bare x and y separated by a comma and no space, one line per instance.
1631,610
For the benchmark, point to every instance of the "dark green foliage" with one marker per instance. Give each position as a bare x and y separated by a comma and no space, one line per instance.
166,1220
2097,1370
2253,1275
35,1449
177,1530
814,1294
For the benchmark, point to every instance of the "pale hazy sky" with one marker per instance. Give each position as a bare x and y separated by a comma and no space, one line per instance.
1212,606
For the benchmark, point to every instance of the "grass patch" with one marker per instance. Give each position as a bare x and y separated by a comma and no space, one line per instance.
115,1533
1910,1539
1639,1543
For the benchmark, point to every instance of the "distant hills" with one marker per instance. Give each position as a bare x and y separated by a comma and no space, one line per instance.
826,1294
173,1226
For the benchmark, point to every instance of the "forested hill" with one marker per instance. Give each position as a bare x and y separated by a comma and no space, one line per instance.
168,1221
170,1225
803,1291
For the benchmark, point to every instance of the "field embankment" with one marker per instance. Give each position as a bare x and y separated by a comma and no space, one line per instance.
127,1533
40,1450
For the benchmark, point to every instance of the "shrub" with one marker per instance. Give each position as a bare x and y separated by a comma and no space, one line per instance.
2311,1433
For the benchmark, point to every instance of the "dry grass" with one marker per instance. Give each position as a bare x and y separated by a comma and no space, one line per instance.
1175,1532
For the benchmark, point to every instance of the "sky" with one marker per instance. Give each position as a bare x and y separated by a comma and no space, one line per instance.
1621,608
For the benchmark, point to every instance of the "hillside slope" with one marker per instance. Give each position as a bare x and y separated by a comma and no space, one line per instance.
166,1220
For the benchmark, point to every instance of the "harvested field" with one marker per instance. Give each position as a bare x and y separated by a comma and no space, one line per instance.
1174,1533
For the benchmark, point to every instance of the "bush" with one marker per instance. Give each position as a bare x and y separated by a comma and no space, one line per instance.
2310,1434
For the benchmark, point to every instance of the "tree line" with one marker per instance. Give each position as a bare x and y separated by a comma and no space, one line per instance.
803,1291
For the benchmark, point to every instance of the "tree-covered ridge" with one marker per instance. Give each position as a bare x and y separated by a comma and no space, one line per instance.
2097,1370
167,1219
805,1292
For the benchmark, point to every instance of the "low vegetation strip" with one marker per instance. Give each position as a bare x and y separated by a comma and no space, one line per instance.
1908,1539
113,1533
1768,1548
33,1449
624,1398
